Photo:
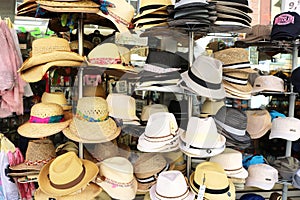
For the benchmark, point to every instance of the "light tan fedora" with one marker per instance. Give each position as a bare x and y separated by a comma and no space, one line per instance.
237,80
151,6
56,97
258,123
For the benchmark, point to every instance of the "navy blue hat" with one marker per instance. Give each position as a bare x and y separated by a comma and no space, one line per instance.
251,196
295,79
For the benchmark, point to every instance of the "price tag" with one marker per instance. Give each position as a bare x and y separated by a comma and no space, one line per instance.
291,5
201,192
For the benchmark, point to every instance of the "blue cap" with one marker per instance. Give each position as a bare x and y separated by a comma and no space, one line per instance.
252,160
274,114
251,196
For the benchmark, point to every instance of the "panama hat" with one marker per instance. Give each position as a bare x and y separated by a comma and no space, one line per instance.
116,178
233,12
56,97
232,162
237,80
205,77
148,110
151,6
258,123
268,83
287,128
89,193
210,107
38,153
206,173
66,174
122,106
171,185
45,119
239,4
84,6
201,138
92,123
180,4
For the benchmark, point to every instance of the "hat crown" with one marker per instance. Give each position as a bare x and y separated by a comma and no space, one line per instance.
65,168
94,107
284,127
258,121
149,164
211,107
268,83
229,159
48,45
263,173
43,110
161,124
148,110
232,56
105,150
54,97
105,51
232,117
122,10
40,150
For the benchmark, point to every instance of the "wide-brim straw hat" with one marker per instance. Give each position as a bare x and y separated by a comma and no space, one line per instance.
171,146
91,191
70,9
56,97
84,6
234,4
32,129
53,177
237,88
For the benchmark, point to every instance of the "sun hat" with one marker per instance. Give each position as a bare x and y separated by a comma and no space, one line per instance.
210,107
122,106
89,193
116,178
234,58
148,7
262,176
236,80
56,97
287,128
275,114
232,162
206,173
45,119
242,5
251,196
249,160
258,123
66,174
205,77
38,153
268,83
286,167
296,179
201,138
151,109
147,168
161,130
171,185
91,123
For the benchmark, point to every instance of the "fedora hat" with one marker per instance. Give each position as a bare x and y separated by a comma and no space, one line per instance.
232,162
201,138
116,178
66,174
268,83
91,191
56,97
91,123
192,12
262,176
258,123
234,58
238,4
286,167
236,80
147,168
205,77
171,185
45,119
122,106
258,33
233,12
295,79
148,110
181,4
108,55
149,7
85,6
210,107
94,91
160,132
232,18
287,128
38,153
206,173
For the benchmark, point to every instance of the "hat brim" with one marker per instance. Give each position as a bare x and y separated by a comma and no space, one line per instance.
240,174
149,11
39,130
169,88
149,26
129,69
75,4
232,95
240,6
22,174
69,9
36,73
233,11
181,5
283,135
238,88
92,132
152,191
252,182
190,11
173,146
122,28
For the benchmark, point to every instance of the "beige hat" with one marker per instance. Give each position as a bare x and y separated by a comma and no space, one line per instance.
45,119
210,107
232,162
122,106
258,123
149,7
287,128
237,81
116,178
268,83
92,123
94,91
85,6
56,97
66,174
151,109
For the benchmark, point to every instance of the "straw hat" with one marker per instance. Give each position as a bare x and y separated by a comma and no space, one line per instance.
201,138
210,107
205,77
189,3
151,109
151,6
116,178
94,91
45,119
232,162
213,176
91,191
38,153
84,6
56,97
92,123
66,174
268,83
237,80
71,9
258,123
74,45
122,106
287,128
258,32
171,185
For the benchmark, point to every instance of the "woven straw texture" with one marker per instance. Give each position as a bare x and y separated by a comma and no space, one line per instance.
70,9
75,4
56,97
232,56
237,74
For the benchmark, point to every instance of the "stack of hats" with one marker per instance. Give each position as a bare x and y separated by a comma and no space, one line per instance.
232,123
295,79
210,107
195,14
258,123
258,33
27,8
151,14
236,70
47,53
232,15
286,167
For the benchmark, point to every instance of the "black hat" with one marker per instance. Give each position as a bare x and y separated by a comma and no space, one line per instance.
286,26
295,79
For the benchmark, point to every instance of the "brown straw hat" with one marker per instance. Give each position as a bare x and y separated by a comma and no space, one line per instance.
45,119
91,123
66,174
237,80
38,153
56,97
